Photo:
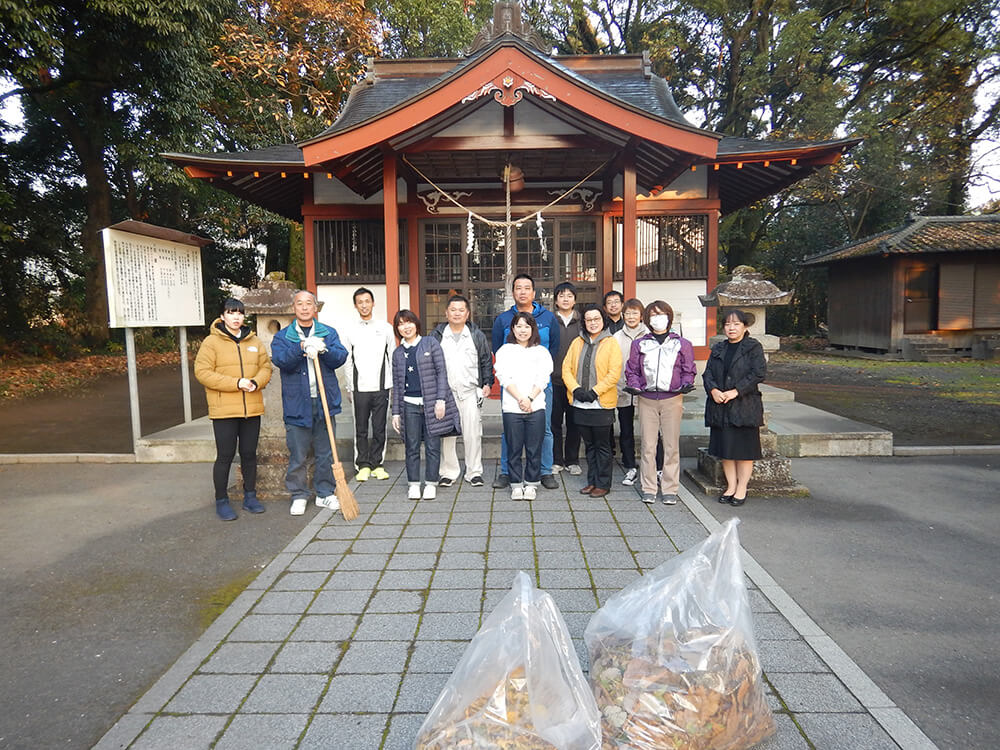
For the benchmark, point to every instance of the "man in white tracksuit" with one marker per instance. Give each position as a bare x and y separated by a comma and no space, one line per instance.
369,343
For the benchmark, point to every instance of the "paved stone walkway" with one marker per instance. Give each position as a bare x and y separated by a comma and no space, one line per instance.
345,640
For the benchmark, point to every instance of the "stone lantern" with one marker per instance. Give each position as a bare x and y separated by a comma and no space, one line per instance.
749,291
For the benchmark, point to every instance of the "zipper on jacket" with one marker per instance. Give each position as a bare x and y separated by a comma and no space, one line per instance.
239,355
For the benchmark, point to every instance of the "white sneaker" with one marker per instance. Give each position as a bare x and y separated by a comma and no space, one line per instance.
298,506
529,492
430,491
574,469
630,476
517,492
330,501
414,492
556,468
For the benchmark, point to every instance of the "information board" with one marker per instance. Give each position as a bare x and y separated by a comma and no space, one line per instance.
152,281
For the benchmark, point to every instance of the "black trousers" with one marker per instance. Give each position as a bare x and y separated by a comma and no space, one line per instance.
564,452
242,431
369,406
597,446
626,439
524,432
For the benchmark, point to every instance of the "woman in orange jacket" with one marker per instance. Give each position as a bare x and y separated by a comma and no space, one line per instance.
234,367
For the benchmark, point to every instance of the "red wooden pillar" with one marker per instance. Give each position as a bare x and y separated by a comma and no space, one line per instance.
309,247
629,231
390,215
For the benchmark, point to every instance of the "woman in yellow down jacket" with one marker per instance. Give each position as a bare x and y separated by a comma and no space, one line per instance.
234,367
590,371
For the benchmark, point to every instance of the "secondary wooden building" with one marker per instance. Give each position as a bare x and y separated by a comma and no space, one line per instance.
926,289
452,175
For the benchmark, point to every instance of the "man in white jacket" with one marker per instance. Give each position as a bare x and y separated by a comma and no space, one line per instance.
369,343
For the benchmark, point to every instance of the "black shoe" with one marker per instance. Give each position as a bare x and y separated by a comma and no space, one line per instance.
445,482
476,481
737,501
502,482
549,482
724,499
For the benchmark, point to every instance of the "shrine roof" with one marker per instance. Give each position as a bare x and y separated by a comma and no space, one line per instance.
921,234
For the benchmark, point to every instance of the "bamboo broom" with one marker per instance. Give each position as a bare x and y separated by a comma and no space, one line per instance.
348,504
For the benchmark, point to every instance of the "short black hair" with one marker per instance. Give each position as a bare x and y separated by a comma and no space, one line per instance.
362,290
404,315
613,293
522,276
633,304
741,315
534,339
565,286
592,307
459,298
233,305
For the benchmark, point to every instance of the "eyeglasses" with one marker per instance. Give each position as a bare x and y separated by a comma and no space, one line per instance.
593,320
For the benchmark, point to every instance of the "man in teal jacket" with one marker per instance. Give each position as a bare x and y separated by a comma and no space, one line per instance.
293,351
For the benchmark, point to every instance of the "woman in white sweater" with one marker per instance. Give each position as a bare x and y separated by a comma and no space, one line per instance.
523,368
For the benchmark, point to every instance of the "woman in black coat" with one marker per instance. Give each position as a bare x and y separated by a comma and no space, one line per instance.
734,410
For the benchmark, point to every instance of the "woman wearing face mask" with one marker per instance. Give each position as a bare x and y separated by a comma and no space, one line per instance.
590,371
734,410
523,368
234,367
660,369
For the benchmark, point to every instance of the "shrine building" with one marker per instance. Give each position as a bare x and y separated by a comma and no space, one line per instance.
445,176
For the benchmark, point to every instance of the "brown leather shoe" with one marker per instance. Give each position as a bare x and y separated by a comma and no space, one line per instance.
599,492
587,490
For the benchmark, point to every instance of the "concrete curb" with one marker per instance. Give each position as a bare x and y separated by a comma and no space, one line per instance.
892,719
945,450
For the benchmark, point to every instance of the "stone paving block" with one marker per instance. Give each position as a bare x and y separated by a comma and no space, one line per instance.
492,598
362,562
387,627
512,544
581,654
325,628
561,559
307,657
458,579
325,547
549,529
339,603
344,532
395,602
300,581
375,657
392,517
454,529
607,578
652,560
449,626
787,736
462,515
263,628
381,531
771,625
212,694
460,561
405,580
502,558
283,602
604,544
759,602
685,537
373,546
840,731
419,691
788,656
657,543
556,543
576,622
362,693
240,658
454,600
172,732
284,693
437,656
503,578
573,600
256,730
403,730
352,580
412,561
354,731
464,544
432,513
820,693
503,529
307,563
419,544
554,578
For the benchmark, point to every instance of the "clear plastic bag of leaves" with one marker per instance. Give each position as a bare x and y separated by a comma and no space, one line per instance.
673,660
518,684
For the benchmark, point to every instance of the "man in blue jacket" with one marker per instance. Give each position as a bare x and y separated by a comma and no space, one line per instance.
293,351
548,330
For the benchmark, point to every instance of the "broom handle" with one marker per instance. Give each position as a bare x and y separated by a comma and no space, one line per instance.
326,409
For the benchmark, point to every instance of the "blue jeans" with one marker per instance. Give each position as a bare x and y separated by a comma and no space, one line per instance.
415,432
301,442
546,441
524,433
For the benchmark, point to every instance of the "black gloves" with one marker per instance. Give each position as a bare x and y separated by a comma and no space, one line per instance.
591,395
630,389
686,388
584,396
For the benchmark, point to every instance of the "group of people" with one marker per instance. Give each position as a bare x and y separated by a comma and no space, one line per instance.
564,374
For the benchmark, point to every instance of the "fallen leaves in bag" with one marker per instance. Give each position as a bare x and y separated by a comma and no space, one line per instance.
501,720
655,694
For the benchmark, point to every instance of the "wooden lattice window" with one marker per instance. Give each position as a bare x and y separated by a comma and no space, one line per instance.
667,247
351,251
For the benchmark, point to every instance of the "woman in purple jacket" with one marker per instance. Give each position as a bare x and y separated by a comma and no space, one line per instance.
660,368
423,407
